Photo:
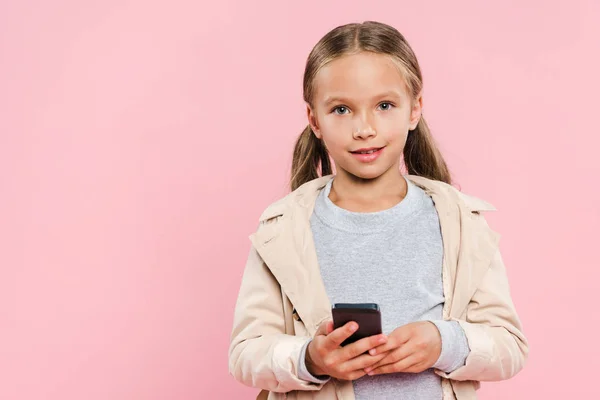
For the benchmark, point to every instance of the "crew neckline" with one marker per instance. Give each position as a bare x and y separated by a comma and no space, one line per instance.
367,222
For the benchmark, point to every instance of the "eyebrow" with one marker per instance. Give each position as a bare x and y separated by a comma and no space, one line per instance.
334,98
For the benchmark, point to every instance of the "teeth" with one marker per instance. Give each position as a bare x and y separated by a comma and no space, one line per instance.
368,152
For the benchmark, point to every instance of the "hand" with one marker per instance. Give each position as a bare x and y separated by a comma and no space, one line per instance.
324,356
414,348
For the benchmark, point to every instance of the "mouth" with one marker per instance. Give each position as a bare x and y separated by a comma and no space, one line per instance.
369,150
367,155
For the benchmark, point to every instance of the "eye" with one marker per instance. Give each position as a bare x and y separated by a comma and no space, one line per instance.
389,106
341,108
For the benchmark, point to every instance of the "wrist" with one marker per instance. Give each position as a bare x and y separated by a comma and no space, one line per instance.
311,366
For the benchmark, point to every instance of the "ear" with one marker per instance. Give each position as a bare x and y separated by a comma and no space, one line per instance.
416,112
312,120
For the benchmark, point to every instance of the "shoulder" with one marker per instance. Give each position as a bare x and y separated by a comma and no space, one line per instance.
276,209
302,196
470,202
473,203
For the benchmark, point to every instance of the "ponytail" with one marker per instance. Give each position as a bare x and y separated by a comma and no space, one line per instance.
309,154
422,157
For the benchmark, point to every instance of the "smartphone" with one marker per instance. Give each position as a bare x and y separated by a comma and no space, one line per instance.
366,315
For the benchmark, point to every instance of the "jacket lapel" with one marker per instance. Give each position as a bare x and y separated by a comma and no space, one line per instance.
287,247
448,214
477,247
469,243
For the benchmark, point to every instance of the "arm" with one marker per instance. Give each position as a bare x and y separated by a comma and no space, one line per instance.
498,346
260,354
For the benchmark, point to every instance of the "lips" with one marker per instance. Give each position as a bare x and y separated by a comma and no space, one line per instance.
367,155
368,150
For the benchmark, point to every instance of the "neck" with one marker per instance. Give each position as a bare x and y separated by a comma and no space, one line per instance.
368,195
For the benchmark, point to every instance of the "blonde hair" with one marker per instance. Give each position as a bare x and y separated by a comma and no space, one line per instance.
421,155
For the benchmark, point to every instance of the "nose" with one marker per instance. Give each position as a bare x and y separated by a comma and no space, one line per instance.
363,128
364,132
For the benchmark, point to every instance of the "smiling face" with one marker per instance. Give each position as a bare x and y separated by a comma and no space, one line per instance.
362,103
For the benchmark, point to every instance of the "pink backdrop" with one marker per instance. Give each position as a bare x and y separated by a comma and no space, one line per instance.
140,141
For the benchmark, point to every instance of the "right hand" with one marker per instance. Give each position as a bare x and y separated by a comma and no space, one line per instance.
325,356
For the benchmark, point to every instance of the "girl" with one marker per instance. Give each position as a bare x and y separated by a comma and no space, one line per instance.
412,243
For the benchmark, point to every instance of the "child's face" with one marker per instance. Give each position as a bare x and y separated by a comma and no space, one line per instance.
361,101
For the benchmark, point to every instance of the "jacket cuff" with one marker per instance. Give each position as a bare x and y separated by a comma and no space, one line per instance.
303,371
284,364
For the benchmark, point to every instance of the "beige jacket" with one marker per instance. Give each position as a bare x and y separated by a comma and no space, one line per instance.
282,275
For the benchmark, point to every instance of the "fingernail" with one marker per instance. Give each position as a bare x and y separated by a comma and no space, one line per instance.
382,339
372,352
370,373
353,327
367,370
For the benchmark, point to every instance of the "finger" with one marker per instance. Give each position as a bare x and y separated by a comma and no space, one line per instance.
393,356
395,340
399,366
362,362
362,346
387,359
354,375
416,368
337,337
329,327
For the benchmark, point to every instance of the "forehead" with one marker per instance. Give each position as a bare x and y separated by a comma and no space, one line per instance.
359,76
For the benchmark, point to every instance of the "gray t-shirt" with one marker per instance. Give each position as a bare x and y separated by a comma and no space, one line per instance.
394,258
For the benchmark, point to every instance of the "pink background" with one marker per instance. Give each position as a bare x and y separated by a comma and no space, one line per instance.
140,141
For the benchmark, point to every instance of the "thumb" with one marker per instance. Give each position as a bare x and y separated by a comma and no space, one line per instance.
329,327
325,328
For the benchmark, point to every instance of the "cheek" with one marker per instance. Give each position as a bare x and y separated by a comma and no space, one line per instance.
337,133
399,119
393,130
335,143
393,135
333,125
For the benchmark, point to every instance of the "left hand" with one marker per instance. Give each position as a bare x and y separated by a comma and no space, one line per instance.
414,348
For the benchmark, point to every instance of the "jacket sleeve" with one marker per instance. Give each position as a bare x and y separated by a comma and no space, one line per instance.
498,346
261,355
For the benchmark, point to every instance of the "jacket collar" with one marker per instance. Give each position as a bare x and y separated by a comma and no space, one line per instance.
285,243
306,195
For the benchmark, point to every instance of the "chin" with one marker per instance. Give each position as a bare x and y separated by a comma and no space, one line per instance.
367,173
